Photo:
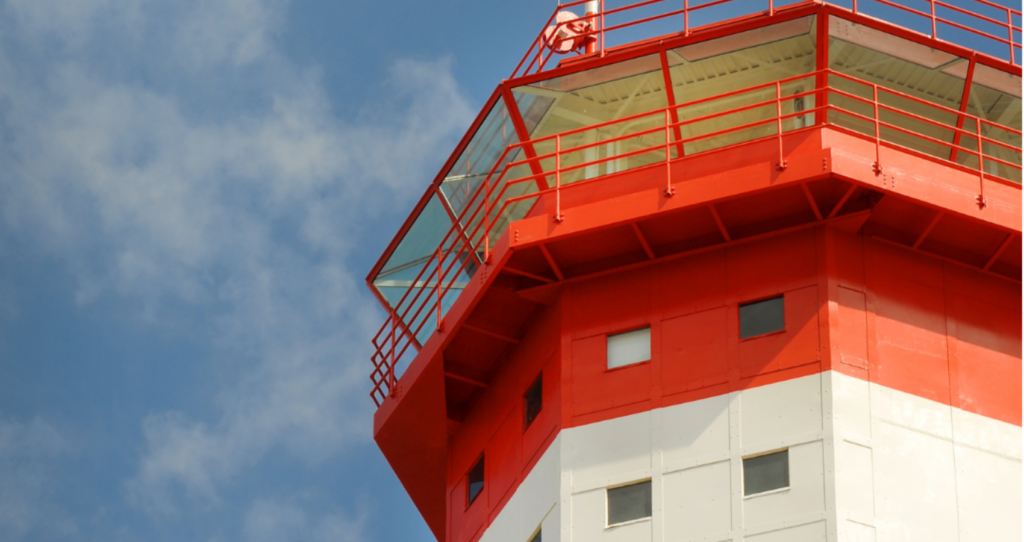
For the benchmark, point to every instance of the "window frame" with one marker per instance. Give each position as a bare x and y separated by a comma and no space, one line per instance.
650,347
607,503
539,383
470,497
739,320
743,474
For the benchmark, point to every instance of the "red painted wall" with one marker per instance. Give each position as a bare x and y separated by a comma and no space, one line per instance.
898,318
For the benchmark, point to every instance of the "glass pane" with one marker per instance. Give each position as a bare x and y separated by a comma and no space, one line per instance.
907,67
629,503
715,67
476,481
594,97
488,144
629,348
765,473
408,281
996,97
534,400
762,317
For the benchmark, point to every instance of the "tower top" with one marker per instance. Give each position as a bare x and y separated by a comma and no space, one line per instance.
628,136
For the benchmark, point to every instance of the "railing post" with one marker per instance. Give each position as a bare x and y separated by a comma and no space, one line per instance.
1009,31
394,350
778,121
487,219
854,7
878,137
981,166
935,34
437,288
602,28
771,8
669,191
686,17
558,179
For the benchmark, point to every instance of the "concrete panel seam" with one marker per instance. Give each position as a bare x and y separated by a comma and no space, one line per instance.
787,442
785,524
949,440
685,464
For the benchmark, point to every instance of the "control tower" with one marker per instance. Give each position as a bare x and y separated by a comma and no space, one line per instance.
720,270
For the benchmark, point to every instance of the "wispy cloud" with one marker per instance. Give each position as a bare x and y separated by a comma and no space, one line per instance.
221,183
28,454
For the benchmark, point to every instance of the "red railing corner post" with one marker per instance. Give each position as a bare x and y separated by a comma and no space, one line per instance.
935,34
981,167
487,219
437,288
878,137
1009,31
686,17
558,179
394,348
778,119
771,8
669,191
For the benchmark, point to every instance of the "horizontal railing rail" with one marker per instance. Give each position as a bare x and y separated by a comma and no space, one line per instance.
1004,32
476,227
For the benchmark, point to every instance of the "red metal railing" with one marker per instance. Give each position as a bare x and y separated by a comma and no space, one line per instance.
972,21
470,237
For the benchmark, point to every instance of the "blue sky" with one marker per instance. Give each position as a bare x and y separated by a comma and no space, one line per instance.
191,194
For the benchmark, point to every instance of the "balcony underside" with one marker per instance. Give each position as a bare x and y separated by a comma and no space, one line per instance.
624,220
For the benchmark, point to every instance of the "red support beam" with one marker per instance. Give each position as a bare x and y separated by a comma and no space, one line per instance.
551,262
1000,250
643,240
842,201
524,135
465,379
498,336
718,220
931,226
810,199
520,272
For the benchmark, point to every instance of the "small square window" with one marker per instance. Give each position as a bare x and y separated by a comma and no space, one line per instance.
766,473
761,317
536,537
629,503
534,400
629,348
476,481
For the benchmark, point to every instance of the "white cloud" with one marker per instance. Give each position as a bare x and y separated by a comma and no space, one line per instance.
272,521
243,214
28,453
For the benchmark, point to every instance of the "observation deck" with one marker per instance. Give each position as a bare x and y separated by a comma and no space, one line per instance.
684,129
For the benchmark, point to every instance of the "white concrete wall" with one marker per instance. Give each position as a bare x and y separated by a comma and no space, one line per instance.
905,469
911,469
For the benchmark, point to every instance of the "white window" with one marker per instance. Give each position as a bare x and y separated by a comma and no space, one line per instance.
629,348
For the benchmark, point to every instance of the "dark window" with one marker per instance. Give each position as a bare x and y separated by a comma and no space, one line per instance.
534,400
765,473
630,502
762,317
476,480
536,537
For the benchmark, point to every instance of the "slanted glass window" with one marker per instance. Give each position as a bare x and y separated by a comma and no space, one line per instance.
629,348
995,97
476,481
765,473
536,537
409,277
908,67
533,399
719,66
761,317
629,503
592,97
